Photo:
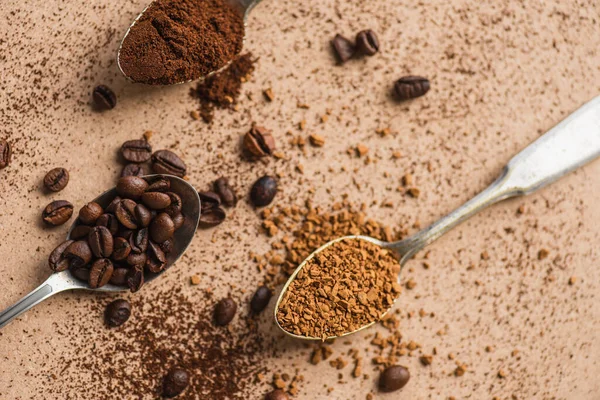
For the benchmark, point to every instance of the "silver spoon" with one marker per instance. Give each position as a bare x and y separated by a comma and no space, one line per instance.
61,281
572,143
243,6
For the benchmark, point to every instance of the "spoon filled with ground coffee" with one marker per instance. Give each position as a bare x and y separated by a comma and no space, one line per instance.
350,283
178,41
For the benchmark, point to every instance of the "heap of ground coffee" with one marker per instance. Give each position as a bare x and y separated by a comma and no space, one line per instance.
350,284
181,40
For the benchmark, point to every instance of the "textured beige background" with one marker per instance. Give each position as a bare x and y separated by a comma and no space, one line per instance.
501,75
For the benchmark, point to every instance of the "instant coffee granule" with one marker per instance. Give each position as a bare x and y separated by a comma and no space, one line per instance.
181,40
349,284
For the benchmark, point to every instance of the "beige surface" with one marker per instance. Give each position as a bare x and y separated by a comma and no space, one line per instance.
501,75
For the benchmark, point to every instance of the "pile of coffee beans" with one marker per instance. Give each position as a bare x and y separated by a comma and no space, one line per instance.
121,242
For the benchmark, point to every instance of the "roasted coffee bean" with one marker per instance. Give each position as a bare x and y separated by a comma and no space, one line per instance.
175,382
80,232
121,249
101,241
56,180
167,162
160,185
117,313
57,213
89,213
156,260
133,170
263,191
367,42
212,216
126,214
276,394
261,299
258,142
410,87
136,151
104,98
57,260
82,273
137,259
225,192
161,228
176,205
112,207
343,48
119,277
178,220
124,232
108,221
139,241
135,279
156,200
5,153
143,216
167,246
208,200
393,378
225,311
100,273
131,187
78,253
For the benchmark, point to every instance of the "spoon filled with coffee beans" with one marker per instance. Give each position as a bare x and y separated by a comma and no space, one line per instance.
350,283
126,237
179,41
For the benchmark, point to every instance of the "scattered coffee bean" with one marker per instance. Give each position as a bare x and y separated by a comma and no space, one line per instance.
135,279
143,216
367,42
178,221
260,300
80,232
410,87
393,378
160,185
343,48
263,191
133,170
176,205
100,273
108,221
125,213
225,311
175,382
57,213
56,180
167,162
276,394
212,216
139,241
161,228
156,260
78,253
117,313
101,242
89,213
225,192
121,249
209,200
131,187
258,142
156,200
119,277
58,260
5,153
136,151
104,98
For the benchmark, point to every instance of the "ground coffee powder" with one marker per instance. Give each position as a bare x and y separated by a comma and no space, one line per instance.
181,40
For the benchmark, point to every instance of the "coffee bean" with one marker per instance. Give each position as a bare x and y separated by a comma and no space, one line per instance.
367,42
208,200
108,221
78,253
276,394
82,273
167,246
100,273
139,241
175,382
159,185
176,204
57,260
133,170
156,200
143,216
167,162
119,277
258,142
263,191
117,313
121,249
178,220
261,299
125,213
5,153
156,260
57,213
137,259
225,311
393,378
56,180
89,213
80,232
225,192
104,98
136,151
410,87
112,207
101,241
343,48
212,216
131,187
124,232
161,228
135,279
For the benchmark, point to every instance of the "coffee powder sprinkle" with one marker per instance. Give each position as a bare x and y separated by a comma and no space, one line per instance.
349,284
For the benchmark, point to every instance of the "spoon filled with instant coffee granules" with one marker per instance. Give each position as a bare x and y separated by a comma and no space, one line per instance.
350,283
124,238
178,41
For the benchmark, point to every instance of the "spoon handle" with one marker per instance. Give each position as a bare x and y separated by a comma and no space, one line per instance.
572,143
